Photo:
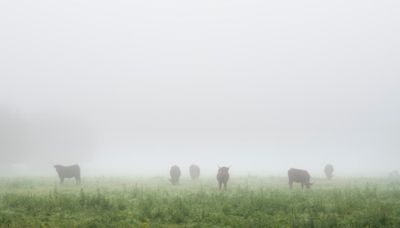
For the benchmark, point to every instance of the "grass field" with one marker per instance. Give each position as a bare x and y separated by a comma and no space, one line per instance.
153,202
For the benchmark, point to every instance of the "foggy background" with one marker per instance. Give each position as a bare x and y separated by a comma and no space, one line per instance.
133,87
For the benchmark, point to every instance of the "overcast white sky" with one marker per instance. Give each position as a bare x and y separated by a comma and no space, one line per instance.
259,85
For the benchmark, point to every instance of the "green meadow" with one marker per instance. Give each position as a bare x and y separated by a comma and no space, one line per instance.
154,202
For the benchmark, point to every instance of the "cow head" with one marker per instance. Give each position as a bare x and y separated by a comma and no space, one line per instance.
308,185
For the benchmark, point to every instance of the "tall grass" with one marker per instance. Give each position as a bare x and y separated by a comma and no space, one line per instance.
254,202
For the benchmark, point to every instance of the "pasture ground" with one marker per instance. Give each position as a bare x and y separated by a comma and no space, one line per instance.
153,202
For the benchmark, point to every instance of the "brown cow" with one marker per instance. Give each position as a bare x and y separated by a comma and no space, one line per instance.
175,173
73,171
194,172
223,177
299,176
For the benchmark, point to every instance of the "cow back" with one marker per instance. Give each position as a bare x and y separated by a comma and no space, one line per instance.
68,171
299,175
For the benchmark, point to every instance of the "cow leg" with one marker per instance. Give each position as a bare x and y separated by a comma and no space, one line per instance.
61,180
302,185
290,184
220,185
225,186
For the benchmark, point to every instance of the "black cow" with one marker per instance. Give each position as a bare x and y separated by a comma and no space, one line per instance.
175,173
73,171
194,172
299,176
329,171
223,177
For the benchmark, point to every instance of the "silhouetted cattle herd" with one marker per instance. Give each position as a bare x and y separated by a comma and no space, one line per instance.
294,175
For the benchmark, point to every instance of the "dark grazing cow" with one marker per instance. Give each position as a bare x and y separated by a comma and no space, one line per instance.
194,172
299,176
175,173
223,177
329,171
73,171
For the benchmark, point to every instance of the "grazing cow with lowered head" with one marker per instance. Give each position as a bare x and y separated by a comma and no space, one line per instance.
299,176
73,171
194,172
223,177
328,171
175,173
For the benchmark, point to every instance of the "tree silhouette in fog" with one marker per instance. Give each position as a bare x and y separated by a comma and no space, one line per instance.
43,140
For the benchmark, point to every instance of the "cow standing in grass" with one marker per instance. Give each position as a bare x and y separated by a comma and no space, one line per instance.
175,173
223,177
194,171
299,176
328,171
73,171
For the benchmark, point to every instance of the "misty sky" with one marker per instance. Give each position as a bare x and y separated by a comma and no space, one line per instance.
263,86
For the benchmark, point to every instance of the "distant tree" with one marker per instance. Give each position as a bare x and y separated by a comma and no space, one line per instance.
14,136
43,141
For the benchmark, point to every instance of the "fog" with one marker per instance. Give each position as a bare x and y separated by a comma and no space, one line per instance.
133,87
